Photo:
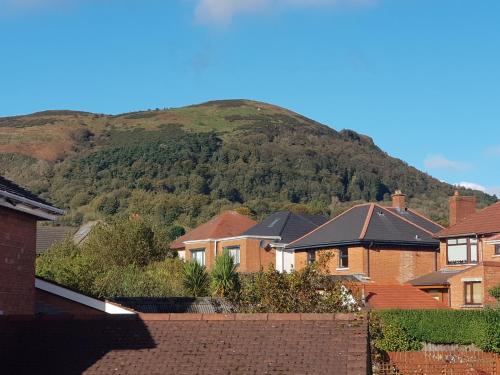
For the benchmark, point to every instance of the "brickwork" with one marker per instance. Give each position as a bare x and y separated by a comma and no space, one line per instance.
461,207
457,299
187,344
491,279
489,253
17,262
52,302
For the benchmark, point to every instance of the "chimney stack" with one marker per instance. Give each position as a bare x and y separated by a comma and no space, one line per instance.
461,207
398,200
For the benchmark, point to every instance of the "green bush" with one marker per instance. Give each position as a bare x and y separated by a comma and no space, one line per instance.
495,292
225,280
195,279
402,330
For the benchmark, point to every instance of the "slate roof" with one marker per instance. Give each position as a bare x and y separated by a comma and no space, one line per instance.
397,296
46,236
287,225
486,221
227,224
369,223
436,278
10,190
172,305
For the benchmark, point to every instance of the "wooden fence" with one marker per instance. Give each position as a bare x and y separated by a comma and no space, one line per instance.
440,363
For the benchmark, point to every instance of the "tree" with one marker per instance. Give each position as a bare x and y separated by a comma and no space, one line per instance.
225,280
195,279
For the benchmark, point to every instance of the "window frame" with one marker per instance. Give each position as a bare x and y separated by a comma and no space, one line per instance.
468,244
497,249
233,247
311,257
470,284
343,256
199,250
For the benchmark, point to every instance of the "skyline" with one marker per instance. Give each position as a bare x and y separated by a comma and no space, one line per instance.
420,78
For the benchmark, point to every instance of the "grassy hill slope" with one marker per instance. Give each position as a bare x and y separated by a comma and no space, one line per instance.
181,166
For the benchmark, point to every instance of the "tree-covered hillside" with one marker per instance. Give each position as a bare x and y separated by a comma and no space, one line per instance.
181,166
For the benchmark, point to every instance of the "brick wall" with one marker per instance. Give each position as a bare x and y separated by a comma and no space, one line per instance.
491,279
17,262
187,344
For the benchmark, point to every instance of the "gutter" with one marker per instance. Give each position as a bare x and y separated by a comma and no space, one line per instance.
32,203
364,243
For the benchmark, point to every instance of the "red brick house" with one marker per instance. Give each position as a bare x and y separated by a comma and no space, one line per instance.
375,243
469,256
19,212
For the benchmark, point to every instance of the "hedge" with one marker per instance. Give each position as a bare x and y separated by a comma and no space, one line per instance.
406,330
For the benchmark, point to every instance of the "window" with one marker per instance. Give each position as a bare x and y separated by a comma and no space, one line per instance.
311,257
497,249
234,251
462,250
473,292
343,258
198,255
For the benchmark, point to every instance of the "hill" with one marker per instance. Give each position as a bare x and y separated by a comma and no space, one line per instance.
181,166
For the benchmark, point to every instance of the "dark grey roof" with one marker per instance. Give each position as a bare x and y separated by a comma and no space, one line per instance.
10,187
200,305
435,278
364,224
46,236
417,219
287,225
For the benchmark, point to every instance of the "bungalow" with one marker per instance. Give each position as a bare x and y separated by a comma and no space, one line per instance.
469,256
208,240
19,212
382,244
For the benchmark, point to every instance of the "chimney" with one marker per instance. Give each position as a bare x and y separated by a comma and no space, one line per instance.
461,207
399,200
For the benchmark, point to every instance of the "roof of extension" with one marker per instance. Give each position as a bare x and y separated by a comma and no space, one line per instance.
175,305
46,236
371,223
12,195
436,278
397,296
486,221
227,224
287,225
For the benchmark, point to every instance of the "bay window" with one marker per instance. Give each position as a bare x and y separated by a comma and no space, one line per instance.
462,250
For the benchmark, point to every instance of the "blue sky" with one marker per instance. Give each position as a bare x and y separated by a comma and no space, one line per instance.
422,77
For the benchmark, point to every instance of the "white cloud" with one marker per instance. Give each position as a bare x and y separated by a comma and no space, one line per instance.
440,162
471,185
221,12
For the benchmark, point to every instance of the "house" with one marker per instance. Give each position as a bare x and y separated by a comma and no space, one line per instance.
398,296
469,256
19,212
208,240
276,231
382,244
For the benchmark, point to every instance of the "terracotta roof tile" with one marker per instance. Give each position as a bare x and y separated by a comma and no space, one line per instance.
227,224
486,221
399,296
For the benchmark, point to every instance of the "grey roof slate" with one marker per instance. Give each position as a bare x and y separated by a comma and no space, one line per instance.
417,219
200,305
383,227
46,236
287,225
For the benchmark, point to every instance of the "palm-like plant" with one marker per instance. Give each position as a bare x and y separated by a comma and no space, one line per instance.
195,279
225,279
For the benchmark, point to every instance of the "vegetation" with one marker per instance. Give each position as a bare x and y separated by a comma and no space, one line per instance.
179,167
404,330
495,292
195,279
120,258
225,280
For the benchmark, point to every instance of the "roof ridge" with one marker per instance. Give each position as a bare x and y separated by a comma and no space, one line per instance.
367,221
328,222
288,215
407,221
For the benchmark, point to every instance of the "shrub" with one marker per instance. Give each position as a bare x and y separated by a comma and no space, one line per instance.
195,279
225,280
495,292
406,329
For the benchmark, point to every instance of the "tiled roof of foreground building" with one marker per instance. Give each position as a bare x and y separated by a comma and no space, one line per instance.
227,224
372,223
397,296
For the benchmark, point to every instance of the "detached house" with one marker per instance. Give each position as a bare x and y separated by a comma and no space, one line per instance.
469,256
19,212
382,244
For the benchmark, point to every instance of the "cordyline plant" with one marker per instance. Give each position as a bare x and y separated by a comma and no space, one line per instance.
225,281
309,290
195,279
